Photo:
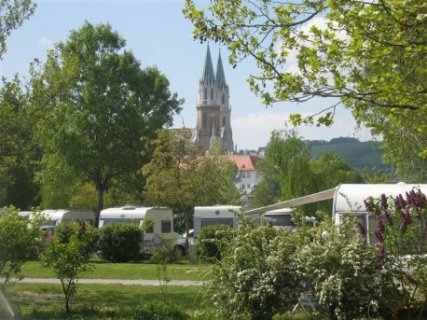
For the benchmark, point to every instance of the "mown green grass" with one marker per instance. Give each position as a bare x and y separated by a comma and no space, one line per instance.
31,301
146,271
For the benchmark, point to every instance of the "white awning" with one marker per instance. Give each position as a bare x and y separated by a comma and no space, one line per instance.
311,198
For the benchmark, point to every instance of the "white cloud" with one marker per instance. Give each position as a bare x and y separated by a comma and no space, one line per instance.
45,42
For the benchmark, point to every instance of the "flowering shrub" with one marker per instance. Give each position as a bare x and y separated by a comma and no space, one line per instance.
256,276
338,267
401,232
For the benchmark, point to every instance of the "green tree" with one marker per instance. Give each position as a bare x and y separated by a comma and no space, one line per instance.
18,150
215,148
368,55
68,254
402,144
288,172
329,171
12,15
19,242
95,104
376,175
179,177
285,170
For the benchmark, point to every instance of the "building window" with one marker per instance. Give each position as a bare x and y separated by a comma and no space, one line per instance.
166,226
212,94
223,121
205,94
223,98
248,186
205,120
248,174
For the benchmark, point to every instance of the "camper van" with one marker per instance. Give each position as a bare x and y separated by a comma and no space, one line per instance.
54,217
161,216
282,219
347,199
211,215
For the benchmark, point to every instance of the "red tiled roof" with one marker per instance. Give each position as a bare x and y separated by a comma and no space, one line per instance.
244,163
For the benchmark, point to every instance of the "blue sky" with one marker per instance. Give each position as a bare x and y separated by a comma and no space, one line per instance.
158,34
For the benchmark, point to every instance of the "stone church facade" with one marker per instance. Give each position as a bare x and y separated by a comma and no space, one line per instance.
213,107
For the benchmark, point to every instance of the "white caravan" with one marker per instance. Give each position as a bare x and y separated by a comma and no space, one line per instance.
212,215
161,216
51,218
54,217
282,219
347,199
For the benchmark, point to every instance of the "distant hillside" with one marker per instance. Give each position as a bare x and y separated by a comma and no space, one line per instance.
360,155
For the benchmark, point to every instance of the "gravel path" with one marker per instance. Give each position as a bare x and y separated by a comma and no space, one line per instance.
183,283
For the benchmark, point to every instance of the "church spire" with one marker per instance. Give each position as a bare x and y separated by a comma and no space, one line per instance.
208,72
220,76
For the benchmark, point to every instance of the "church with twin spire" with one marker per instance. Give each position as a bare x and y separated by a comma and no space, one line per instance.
213,107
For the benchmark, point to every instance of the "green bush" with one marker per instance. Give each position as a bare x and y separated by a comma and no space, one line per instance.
120,242
212,238
68,253
19,242
159,311
339,266
256,276
65,231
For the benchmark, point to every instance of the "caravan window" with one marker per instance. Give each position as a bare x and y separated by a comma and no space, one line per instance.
149,229
310,223
372,223
118,221
166,226
212,221
50,222
282,221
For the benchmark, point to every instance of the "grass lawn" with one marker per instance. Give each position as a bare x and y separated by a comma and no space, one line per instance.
146,271
31,301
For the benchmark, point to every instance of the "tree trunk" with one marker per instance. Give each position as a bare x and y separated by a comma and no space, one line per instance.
99,205
67,304
187,231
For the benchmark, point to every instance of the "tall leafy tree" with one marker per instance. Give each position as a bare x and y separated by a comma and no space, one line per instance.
179,177
95,104
329,171
370,55
289,172
12,15
16,180
403,143
285,170
18,150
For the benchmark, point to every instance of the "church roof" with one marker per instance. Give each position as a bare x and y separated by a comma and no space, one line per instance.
220,76
208,75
